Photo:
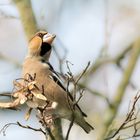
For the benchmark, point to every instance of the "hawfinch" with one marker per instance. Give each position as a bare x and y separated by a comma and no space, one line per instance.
37,62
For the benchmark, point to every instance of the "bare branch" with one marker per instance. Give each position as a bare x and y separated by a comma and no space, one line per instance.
6,94
77,89
112,112
101,62
7,105
29,127
130,117
81,75
70,127
3,130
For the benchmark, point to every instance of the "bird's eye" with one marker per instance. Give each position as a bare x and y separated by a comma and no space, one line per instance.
40,35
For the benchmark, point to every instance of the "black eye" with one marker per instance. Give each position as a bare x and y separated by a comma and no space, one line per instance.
45,48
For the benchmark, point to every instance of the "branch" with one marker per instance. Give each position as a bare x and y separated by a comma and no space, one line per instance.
98,64
73,95
3,130
56,131
9,105
6,94
116,60
92,91
130,117
82,74
27,17
29,127
110,113
70,127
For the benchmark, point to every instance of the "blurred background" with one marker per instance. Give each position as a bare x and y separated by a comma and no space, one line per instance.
86,30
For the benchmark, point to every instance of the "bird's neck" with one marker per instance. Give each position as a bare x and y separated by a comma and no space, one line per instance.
39,58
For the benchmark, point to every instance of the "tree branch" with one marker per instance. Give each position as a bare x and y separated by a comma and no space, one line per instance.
129,118
27,17
116,60
110,113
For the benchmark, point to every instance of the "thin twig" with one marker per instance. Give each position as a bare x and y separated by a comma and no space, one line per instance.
75,83
3,130
81,75
120,92
129,126
29,127
6,94
70,126
100,62
128,119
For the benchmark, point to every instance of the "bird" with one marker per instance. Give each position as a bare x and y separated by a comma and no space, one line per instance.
37,62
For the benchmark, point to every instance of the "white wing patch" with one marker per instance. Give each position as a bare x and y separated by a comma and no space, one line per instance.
54,105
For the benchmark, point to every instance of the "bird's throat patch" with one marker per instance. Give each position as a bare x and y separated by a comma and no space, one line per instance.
45,47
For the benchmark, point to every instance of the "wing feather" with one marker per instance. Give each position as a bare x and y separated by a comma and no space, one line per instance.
56,78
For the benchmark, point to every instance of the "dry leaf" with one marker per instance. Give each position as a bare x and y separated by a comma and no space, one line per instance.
39,96
16,94
23,99
32,104
31,85
30,96
28,113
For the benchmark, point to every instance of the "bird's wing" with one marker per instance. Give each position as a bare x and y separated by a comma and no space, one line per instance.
56,78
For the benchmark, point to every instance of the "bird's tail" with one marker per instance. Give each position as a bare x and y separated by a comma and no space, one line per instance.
85,125
79,119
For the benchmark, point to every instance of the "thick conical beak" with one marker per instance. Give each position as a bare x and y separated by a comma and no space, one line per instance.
48,38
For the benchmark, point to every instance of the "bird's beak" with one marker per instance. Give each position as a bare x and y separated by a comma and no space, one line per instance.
48,38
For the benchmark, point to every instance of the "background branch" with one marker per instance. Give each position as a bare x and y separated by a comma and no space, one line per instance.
27,17
102,61
131,116
111,113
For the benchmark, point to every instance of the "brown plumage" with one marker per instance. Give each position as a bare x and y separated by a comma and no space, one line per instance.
36,62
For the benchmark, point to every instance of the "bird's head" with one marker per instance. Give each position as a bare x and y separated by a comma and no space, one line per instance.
40,45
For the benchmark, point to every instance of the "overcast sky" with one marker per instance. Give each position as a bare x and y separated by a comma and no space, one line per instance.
80,26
